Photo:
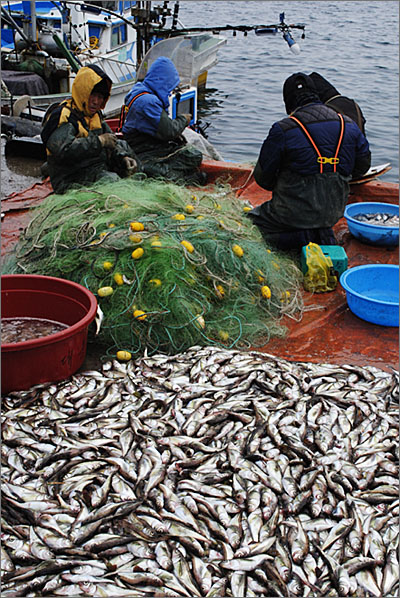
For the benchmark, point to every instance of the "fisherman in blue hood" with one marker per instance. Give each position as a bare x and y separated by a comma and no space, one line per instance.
155,137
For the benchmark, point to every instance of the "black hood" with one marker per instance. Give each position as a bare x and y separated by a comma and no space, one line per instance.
103,87
298,90
325,90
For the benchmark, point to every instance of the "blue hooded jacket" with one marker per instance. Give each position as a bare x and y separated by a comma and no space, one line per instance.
145,113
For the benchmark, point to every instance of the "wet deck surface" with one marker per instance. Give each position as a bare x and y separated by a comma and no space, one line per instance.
328,332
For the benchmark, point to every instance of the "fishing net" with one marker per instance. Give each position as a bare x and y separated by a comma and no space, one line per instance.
171,267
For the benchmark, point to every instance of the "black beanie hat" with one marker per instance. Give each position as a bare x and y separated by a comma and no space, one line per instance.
298,89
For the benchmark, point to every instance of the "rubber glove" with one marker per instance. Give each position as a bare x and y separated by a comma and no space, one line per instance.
130,165
108,140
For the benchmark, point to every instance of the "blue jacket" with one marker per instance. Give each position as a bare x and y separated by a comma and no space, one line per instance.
288,148
145,113
303,197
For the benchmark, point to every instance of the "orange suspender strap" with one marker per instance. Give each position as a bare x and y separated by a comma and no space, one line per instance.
125,110
336,159
321,159
321,168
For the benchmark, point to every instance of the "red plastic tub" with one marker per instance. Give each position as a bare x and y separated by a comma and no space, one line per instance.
50,358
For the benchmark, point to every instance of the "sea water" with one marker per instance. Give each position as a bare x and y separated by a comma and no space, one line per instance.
353,44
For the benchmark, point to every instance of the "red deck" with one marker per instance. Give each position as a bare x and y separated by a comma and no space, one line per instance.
330,333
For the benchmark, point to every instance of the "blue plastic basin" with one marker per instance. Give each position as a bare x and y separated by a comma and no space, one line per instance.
372,234
372,293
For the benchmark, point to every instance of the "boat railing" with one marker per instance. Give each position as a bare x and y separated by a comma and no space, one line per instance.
118,70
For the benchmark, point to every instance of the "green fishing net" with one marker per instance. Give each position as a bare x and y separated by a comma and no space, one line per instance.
171,267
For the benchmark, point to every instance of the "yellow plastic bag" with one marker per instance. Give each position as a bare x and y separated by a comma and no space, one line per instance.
320,276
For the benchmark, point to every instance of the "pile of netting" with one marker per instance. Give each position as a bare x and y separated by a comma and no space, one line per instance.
171,267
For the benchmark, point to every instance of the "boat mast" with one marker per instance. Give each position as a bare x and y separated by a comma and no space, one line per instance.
148,21
29,21
33,25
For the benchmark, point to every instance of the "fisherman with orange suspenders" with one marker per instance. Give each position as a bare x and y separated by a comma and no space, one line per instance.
307,161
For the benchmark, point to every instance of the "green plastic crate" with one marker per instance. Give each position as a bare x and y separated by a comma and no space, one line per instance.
335,252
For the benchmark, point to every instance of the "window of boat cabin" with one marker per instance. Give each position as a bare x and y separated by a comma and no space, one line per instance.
7,36
118,35
52,23
94,31
110,4
125,5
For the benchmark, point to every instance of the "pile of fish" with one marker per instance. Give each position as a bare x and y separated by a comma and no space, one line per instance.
209,473
379,219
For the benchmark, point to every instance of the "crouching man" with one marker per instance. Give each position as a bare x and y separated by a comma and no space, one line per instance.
80,146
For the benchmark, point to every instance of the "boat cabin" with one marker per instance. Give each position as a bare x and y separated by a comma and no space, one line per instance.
45,42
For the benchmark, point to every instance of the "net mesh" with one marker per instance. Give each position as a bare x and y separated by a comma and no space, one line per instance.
171,267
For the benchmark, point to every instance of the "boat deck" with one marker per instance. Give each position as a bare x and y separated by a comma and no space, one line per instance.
328,332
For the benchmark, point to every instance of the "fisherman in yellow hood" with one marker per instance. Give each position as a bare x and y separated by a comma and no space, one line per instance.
80,146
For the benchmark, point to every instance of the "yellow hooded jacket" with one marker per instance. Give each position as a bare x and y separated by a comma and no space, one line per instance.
86,79
75,110
71,135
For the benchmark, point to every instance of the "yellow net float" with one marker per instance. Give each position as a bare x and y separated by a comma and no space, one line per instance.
136,226
266,292
220,291
124,355
200,322
260,276
118,279
135,238
237,250
187,245
139,314
105,291
155,282
137,253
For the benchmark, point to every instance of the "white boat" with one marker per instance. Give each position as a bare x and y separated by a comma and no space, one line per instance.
44,43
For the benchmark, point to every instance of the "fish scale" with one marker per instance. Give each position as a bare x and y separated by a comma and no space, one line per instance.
218,487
